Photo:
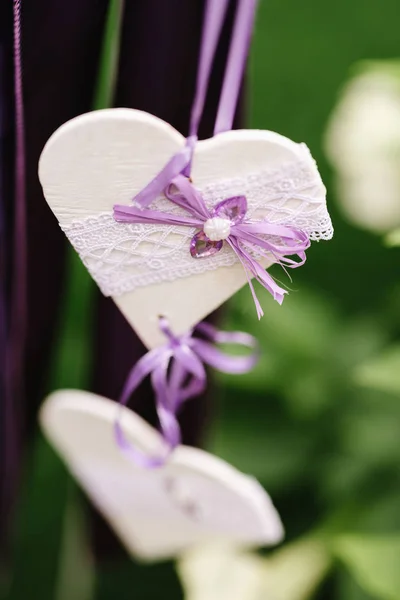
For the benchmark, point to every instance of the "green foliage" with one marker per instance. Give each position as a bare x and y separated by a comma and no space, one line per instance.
381,372
107,76
393,238
374,563
295,571
40,526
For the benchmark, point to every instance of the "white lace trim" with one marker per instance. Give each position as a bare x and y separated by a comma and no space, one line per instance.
122,256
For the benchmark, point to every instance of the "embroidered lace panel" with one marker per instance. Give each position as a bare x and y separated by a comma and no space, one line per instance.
122,256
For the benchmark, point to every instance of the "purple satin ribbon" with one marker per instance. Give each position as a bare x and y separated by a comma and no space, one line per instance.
177,369
214,17
177,374
246,237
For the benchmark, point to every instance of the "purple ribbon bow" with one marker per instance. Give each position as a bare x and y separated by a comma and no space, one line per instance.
177,373
226,222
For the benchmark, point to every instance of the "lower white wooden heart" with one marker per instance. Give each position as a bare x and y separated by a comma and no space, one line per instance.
106,157
159,513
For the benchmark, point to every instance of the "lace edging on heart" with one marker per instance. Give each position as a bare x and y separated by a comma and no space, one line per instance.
122,256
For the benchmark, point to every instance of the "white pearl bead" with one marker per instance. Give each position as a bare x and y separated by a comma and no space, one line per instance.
217,229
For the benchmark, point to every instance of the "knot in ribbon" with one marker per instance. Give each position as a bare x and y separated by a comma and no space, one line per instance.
177,374
246,237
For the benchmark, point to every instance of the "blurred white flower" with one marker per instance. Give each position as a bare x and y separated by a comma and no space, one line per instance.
221,572
224,573
363,144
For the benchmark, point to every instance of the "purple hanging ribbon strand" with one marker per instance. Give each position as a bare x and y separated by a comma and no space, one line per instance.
177,374
246,238
214,17
19,274
13,335
19,302
3,303
16,333
238,52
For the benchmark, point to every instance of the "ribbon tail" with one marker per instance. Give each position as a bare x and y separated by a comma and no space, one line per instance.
193,388
264,278
146,365
235,247
140,371
131,214
226,337
258,271
222,361
188,360
269,283
291,241
171,393
166,405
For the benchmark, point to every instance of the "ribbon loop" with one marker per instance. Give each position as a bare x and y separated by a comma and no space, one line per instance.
181,192
177,374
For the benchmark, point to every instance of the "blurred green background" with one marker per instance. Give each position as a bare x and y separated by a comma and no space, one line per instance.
318,421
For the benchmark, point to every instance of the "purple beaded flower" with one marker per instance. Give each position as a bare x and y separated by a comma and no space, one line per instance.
226,222
217,228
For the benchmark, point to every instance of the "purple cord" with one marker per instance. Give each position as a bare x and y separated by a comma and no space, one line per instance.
16,332
214,17
5,407
19,273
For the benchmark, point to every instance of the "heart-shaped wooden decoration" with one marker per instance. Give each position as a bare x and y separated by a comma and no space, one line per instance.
106,157
159,513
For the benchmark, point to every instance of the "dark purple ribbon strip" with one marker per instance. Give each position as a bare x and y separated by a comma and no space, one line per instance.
13,335
177,374
19,275
6,441
3,330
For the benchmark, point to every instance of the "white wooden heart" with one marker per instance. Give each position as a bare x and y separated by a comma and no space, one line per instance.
106,157
159,513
